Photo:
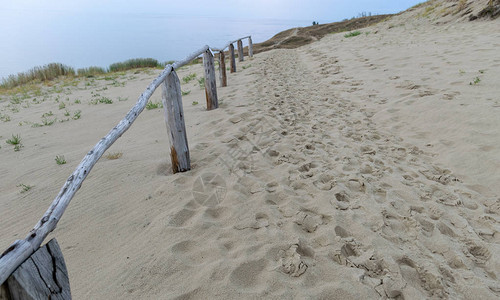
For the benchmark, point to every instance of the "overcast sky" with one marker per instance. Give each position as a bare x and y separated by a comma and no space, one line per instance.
325,10
83,33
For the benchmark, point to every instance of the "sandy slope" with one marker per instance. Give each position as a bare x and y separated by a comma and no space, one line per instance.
351,168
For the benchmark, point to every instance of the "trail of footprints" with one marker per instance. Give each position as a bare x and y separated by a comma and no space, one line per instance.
336,148
331,152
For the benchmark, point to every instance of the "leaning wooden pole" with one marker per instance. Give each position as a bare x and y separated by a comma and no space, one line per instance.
250,47
222,69
174,118
240,50
210,84
232,58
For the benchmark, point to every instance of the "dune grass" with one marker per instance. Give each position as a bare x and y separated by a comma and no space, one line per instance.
38,74
352,34
91,71
134,64
52,71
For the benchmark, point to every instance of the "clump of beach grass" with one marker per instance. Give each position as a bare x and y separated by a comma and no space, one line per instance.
77,114
37,74
25,187
15,140
90,71
152,105
188,78
60,160
201,82
352,34
134,64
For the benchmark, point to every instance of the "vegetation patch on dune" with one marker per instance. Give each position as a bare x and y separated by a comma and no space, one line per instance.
296,37
51,71
134,64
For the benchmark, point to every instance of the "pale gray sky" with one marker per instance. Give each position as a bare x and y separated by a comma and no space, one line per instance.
326,10
84,33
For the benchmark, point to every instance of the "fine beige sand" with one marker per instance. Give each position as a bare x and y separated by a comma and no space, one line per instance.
350,168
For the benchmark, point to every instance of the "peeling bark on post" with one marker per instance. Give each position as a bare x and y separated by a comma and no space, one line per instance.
250,47
42,276
174,118
240,50
210,83
232,58
222,69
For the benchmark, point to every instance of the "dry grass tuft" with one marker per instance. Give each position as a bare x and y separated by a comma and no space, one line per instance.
114,155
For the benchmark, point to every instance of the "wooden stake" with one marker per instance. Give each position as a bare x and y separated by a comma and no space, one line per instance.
250,47
42,276
210,83
240,50
232,58
174,118
222,69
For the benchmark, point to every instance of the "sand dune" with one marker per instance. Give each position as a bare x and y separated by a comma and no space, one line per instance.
350,168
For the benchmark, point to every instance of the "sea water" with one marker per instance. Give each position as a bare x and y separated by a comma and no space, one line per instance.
30,39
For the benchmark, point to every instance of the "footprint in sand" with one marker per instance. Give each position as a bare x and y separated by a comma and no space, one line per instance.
290,262
309,221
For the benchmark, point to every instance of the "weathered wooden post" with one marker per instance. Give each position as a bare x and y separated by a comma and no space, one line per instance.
210,84
174,118
42,276
232,58
250,47
240,50
222,69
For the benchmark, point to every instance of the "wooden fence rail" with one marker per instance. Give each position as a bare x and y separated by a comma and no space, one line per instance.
17,254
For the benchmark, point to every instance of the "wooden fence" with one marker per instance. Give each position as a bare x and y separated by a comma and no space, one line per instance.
30,272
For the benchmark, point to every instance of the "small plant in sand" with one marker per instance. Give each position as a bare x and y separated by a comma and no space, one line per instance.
5,118
201,82
60,160
48,122
195,102
62,105
352,34
153,105
122,99
15,140
25,187
114,155
475,81
67,113
246,67
185,93
105,100
77,114
188,78
78,101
